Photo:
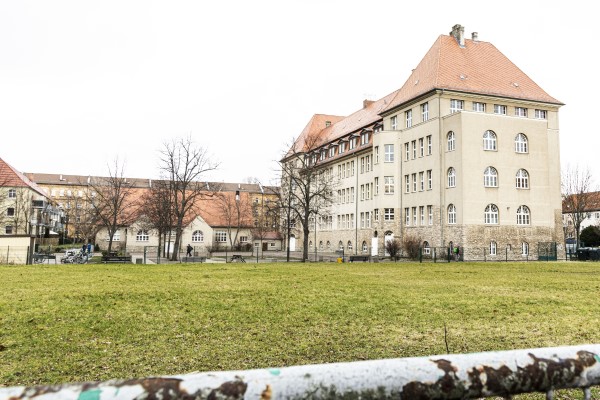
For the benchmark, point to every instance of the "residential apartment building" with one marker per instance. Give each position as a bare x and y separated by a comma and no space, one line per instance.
465,153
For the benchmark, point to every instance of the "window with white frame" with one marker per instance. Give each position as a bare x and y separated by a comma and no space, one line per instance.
491,214
407,151
523,215
407,183
456,105
451,214
489,141
365,248
424,112
451,177
421,147
421,181
364,138
426,248
388,187
142,236
368,215
429,145
389,152
422,214
116,236
406,216
522,179
331,152
12,193
429,179
197,236
394,122
541,114
493,248
362,165
376,154
376,179
408,115
341,148
430,215
414,215
352,143
388,214
221,236
500,109
376,215
362,192
478,106
521,143
451,139
520,111
414,181
525,248
414,149
490,177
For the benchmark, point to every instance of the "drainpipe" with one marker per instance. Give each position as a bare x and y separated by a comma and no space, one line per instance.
356,209
441,149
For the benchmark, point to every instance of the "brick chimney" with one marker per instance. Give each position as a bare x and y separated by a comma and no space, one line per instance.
475,36
367,103
458,33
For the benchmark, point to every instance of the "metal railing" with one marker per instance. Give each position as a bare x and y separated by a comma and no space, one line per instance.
460,376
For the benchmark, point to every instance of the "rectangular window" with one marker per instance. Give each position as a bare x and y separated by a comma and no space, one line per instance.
10,212
388,214
429,179
362,192
407,183
422,215
478,107
541,114
414,182
341,148
352,168
520,111
221,236
414,213
352,143
456,105
364,138
429,145
368,219
394,123
421,147
369,185
407,151
368,159
424,112
388,185
421,181
362,219
430,214
408,118
500,109
389,152
362,165
406,216
331,152
376,216
376,154
376,186
8,229
414,149
352,194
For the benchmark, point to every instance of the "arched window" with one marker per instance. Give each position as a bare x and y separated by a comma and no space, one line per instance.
489,140
522,179
320,245
491,214
525,248
197,237
451,141
451,177
493,248
521,143
490,177
523,215
349,245
365,248
341,245
426,248
328,245
451,214
142,236
310,244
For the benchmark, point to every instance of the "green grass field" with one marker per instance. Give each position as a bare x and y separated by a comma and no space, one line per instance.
68,323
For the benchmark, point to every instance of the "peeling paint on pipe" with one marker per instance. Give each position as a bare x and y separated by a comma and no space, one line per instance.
460,376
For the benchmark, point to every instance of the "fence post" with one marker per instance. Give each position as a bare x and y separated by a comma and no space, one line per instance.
484,259
145,249
434,255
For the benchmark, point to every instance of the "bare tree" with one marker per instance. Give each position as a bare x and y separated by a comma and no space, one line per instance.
110,200
157,206
236,212
577,185
307,187
184,163
21,206
393,247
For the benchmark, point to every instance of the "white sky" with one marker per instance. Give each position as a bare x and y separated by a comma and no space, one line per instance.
83,82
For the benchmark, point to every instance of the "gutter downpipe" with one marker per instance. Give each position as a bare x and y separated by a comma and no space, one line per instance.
441,147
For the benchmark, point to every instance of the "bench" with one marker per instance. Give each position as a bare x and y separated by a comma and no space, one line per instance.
359,258
116,259
39,258
237,258
194,259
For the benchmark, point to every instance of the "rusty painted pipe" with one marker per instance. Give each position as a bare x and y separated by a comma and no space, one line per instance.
460,376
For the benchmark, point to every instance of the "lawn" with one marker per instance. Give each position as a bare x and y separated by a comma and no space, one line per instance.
67,323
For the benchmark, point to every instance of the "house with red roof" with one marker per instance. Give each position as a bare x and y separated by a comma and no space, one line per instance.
465,153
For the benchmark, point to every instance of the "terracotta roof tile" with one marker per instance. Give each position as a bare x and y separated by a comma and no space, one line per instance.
10,177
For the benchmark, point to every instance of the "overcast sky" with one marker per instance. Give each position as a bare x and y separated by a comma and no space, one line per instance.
83,82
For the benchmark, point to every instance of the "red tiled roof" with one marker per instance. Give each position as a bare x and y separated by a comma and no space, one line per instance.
10,177
478,67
